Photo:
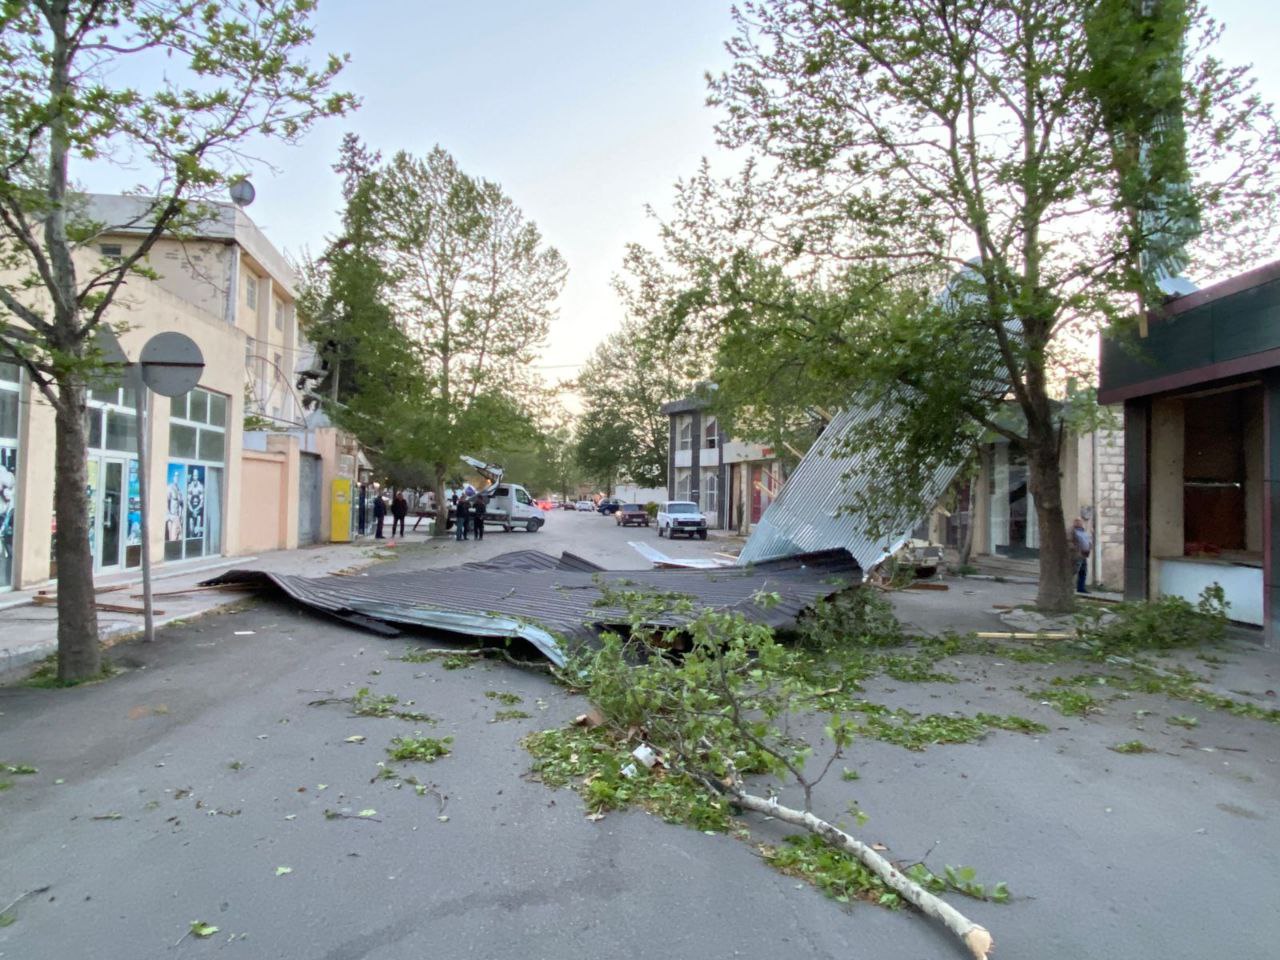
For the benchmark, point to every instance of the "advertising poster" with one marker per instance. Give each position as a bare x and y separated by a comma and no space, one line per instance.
195,503
8,514
175,498
93,506
133,525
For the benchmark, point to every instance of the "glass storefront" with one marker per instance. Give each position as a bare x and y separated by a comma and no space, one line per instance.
115,517
1013,526
194,475
9,396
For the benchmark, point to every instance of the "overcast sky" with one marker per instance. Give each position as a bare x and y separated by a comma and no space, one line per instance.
584,111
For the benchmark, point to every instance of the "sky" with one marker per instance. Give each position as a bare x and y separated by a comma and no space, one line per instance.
583,110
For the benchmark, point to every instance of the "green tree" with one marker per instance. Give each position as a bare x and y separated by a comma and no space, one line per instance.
624,434
438,293
223,76
954,196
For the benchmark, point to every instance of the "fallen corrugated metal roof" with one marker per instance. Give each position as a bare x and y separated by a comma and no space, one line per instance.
807,514
555,608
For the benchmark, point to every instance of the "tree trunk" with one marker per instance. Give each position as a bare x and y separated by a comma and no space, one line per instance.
79,651
441,524
1056,593
974,936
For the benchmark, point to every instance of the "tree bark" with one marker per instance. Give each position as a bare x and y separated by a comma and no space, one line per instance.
973,935
79,650
1056,593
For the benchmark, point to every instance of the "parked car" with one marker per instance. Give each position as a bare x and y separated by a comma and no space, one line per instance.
609,505
546,504
586,506
568,505
681,516
630,513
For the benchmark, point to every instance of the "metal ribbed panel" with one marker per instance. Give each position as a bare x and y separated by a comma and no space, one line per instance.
503,597
806,515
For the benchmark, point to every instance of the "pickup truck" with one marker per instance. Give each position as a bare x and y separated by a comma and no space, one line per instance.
681,516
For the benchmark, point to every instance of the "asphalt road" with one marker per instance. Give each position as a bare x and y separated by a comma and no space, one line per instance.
176,790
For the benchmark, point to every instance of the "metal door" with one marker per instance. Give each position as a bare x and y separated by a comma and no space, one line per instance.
309,491
109,512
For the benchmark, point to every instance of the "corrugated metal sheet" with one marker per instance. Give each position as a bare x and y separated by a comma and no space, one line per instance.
807,516
520,596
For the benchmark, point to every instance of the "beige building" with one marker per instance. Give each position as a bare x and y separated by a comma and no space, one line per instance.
1002,510
233,293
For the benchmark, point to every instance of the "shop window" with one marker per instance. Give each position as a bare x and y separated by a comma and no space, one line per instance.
8,412
212,445
217,410
198,406
182,440
8,469
122,432
1217,480
194,477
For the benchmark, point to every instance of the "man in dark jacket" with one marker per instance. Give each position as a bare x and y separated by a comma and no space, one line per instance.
478,511
399,510
462,518
379,515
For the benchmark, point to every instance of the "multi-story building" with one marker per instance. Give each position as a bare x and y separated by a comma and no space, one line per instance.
224,285
731,481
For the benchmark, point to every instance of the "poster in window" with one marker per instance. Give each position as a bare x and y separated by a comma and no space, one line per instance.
8,511
195,503
134,523
175,498
91,491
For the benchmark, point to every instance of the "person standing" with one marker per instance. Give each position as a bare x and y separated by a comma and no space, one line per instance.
399,510
1081,547
462,517
379,515
478,511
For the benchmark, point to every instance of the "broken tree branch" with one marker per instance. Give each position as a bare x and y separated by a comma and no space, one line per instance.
974,936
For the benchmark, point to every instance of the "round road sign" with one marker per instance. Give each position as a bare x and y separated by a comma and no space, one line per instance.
171,364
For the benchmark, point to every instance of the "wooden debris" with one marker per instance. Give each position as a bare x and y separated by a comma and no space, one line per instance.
926,585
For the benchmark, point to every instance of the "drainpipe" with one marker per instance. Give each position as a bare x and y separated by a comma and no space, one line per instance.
1095,558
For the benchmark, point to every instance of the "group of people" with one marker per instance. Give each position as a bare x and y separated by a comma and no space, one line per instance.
469,511
469,515
399,510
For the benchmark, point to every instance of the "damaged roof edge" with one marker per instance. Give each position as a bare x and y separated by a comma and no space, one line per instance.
467,624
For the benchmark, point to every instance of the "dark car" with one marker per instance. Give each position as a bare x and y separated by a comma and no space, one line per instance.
609,505
630,513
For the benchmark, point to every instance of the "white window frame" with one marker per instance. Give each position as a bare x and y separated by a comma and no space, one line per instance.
251,289
684,433
711,434
710,491
277,305
684,483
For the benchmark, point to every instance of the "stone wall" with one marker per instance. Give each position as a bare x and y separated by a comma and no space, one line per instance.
1109,499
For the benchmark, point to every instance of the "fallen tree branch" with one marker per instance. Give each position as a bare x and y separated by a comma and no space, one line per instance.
974,936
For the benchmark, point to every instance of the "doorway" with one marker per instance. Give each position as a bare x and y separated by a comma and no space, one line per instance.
107,510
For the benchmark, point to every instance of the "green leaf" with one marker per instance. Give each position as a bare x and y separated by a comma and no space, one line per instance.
281,871
201,929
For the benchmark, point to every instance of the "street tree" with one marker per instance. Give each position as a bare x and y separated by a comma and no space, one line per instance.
221,76
623,433
438,294
947,200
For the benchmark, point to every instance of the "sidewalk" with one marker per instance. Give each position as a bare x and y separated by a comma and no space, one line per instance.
29,630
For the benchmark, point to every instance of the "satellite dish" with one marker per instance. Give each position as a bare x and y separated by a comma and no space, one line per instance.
171,364
242,193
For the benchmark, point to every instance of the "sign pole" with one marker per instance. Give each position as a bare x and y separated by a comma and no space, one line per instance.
142,397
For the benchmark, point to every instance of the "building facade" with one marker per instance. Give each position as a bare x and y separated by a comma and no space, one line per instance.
225,286
732,482
1201,395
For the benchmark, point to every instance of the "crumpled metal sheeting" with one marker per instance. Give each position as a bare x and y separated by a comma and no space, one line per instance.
807,513
552,608
533,560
